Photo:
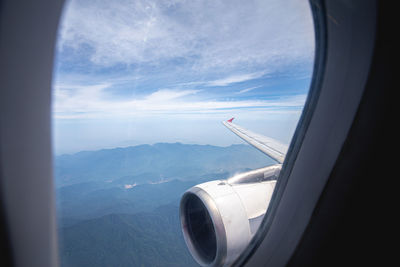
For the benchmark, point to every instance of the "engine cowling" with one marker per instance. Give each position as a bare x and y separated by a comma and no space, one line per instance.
220,217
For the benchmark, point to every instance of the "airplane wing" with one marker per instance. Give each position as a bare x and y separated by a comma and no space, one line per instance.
267,145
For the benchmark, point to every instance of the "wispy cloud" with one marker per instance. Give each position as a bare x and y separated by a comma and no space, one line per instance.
247,90
166,95
91,102
235,79
201,35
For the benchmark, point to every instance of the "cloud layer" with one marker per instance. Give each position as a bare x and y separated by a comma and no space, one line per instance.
198,34
91,102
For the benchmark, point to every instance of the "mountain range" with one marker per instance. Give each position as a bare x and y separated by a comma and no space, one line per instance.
119,207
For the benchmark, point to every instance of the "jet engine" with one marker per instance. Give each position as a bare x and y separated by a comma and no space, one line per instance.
220,217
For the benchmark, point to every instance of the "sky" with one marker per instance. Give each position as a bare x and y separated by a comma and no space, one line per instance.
146,71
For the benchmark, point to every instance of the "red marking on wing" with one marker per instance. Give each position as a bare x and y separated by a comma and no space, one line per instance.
230,120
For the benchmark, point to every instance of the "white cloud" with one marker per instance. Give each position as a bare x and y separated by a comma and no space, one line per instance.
167,95
129,186
235,79
204,34
91,102
247,89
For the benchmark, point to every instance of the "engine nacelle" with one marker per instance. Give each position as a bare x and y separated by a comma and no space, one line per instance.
220,217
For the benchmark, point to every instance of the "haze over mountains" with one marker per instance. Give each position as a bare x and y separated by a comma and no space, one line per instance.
119,207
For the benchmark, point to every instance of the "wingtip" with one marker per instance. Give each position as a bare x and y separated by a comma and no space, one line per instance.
230,120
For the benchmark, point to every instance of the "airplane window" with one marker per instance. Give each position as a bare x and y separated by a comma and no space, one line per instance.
145,172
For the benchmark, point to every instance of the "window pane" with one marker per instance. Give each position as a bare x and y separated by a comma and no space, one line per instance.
140,89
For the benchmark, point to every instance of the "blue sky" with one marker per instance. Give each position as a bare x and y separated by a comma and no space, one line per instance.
135,72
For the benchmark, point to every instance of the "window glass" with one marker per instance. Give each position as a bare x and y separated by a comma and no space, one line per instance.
139,92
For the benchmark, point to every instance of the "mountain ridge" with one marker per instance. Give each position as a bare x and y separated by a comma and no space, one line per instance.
119,207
